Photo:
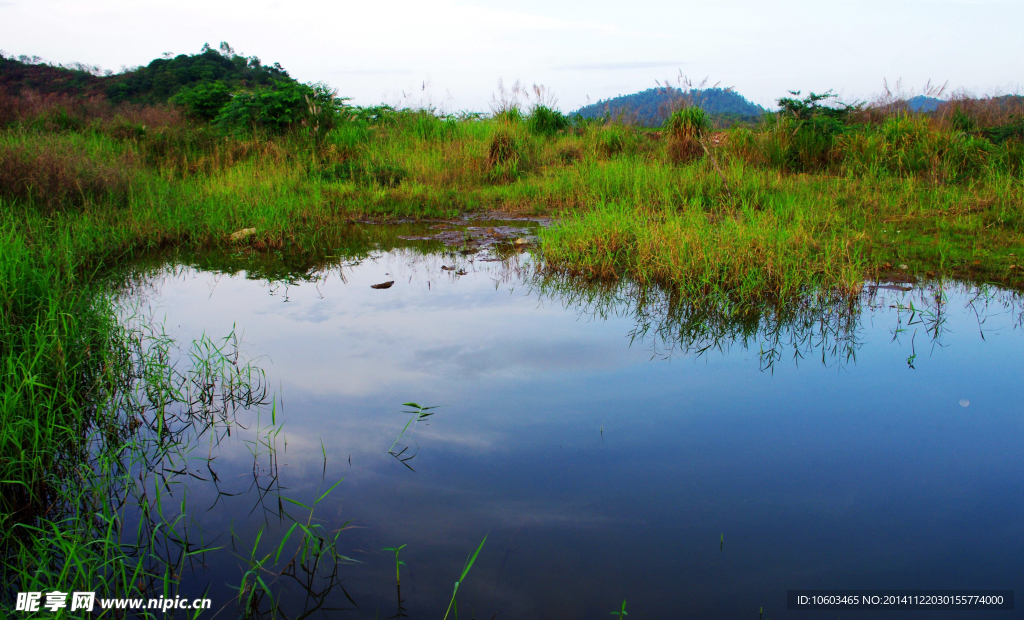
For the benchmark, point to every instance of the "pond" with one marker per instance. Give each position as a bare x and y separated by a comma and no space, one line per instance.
612,443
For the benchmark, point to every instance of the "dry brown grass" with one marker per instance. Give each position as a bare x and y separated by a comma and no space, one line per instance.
983,111
55,112
54,176
683,149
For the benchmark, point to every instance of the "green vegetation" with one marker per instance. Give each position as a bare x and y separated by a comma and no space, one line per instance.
815,198
465,571
165,77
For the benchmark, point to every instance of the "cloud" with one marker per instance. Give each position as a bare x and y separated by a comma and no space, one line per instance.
372,72
620,66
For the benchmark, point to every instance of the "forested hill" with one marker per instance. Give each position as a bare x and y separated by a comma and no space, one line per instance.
30,74
651,106
156,82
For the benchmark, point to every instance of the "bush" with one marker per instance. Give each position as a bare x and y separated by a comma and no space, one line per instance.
806,131
204,100
277,109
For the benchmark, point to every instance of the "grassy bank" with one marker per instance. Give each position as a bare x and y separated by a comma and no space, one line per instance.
810,199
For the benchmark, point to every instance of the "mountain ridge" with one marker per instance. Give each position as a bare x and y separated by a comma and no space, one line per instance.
652,106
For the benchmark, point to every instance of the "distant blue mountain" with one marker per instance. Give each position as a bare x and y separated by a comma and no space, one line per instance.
922,103
651,107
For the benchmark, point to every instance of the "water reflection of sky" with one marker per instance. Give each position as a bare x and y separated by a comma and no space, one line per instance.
601,473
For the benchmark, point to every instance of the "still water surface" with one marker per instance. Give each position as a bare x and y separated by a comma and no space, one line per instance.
613,445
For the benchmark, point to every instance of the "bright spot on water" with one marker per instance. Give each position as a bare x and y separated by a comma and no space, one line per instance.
964,402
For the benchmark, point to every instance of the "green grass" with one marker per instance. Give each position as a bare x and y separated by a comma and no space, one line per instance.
794,209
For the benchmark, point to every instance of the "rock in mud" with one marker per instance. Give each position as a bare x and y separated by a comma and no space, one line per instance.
242,235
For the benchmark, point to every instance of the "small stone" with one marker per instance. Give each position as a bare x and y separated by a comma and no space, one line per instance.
520,241
904,267
242,235
383,284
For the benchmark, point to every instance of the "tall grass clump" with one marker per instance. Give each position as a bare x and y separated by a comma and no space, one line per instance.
508,154
545,121
686,128
616,138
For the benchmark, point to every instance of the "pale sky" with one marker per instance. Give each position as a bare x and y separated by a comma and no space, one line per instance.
375,51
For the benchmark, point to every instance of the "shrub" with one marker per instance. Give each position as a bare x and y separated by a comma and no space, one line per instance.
204,100
273,109
806,131
285,105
